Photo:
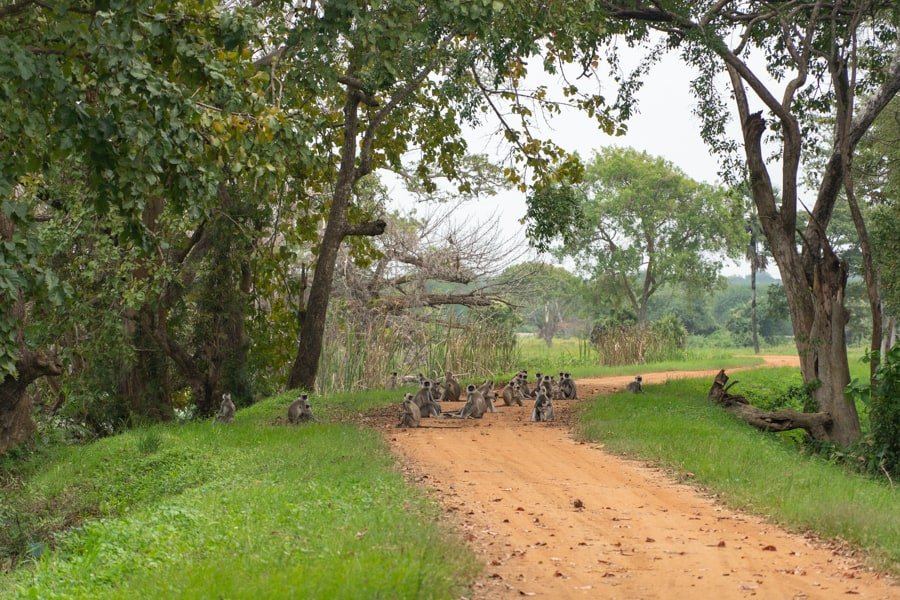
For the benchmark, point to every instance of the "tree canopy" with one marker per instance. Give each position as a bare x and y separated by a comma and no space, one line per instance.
640,223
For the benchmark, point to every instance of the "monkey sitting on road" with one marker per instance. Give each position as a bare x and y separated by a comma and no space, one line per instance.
567,385
635,386
299,410
425,401
410,413
475,405
547,385
226,409
452,389
543,407
522,376
538,382
512,393
487,391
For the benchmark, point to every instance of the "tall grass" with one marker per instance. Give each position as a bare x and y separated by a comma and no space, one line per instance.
675,425
360,354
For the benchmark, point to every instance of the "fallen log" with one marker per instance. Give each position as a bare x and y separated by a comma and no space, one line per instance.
816,424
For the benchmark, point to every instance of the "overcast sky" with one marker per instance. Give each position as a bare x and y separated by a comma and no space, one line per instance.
663,126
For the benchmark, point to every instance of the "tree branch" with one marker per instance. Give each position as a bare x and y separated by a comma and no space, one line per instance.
371,228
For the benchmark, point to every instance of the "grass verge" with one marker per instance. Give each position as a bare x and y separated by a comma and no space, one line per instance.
674,425
247,510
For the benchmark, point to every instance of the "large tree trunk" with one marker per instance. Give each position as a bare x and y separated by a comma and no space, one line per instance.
814,282
754,323
818,316
144,384
16,423
312,329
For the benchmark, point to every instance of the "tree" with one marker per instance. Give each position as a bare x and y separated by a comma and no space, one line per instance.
135,108
551,297
877,176
640,222
758,262
818,58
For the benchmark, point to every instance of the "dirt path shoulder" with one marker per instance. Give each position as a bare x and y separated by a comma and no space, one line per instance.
514,488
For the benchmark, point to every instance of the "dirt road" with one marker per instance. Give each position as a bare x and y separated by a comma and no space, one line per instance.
512,485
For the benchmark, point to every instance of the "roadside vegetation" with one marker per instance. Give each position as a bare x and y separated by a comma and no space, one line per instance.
674,425
250,510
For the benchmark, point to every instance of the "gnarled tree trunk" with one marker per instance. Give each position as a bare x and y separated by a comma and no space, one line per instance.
818,425
16,423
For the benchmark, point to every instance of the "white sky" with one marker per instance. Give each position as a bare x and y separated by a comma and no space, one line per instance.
664,125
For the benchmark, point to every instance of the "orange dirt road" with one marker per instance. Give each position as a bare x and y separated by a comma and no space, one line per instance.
511,486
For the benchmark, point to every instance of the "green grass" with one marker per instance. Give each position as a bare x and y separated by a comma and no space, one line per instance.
246,510
674,425
568,354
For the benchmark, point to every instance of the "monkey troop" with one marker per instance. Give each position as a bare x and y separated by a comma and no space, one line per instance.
480,399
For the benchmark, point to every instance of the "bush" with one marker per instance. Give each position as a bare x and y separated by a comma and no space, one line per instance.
624,342
883,398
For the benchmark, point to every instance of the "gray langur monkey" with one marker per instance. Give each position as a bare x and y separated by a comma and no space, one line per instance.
410,413
476,405
393,381
523,383
555,389
543,407
569,389
547,385
425,401
226,409
512,393
300,410
487,391
538,381
452,389
635,387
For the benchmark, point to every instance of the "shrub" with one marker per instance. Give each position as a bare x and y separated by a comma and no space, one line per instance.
883,398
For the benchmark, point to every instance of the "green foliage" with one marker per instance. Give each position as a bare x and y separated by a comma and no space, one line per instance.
552,300
301,522
640,223
883,398
675,425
